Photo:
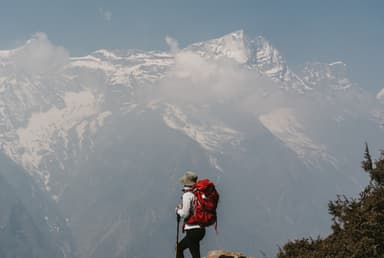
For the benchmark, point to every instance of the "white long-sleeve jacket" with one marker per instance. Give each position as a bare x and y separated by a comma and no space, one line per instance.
186,209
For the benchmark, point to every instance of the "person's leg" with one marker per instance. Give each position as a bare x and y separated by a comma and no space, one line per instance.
194,237
183,244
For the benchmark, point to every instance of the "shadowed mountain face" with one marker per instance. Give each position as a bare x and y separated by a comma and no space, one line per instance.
104,138
30,225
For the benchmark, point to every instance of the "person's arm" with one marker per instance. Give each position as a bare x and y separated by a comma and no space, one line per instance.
185,211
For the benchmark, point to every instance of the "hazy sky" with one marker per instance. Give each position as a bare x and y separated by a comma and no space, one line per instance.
303,30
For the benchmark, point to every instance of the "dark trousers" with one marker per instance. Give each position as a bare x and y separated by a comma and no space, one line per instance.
192,242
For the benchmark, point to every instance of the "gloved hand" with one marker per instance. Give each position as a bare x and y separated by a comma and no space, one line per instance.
178,207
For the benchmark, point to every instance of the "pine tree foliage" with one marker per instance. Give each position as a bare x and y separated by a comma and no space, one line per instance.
357,223
377,174
366,164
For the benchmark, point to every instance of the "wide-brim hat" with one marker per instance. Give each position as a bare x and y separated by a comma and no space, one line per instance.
189,178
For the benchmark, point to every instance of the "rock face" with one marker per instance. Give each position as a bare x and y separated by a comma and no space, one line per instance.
225,254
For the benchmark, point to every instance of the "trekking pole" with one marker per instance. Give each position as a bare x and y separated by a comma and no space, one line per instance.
177,235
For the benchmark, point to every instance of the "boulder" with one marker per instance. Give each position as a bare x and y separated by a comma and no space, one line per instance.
225,254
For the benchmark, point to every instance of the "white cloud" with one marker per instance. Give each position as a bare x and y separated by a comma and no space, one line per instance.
107,15
39,56
196,79
380,94
172,43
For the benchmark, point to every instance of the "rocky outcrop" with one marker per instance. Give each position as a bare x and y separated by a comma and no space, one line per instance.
225,254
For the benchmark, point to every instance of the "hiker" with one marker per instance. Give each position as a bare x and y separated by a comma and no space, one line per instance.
194,232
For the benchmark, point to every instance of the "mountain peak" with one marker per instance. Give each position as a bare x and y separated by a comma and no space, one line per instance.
232,45
257,53
239,34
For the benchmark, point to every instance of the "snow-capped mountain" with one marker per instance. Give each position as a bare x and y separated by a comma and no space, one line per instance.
333,75
103,132
283,124
257,54
127,68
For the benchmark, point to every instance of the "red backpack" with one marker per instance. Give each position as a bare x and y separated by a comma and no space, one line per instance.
204,204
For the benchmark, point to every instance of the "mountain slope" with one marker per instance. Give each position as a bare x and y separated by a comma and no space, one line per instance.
107,136
30,225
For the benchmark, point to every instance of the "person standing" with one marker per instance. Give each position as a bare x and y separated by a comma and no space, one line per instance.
193,233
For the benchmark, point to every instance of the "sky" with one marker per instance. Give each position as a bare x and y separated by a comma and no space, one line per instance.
302,30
